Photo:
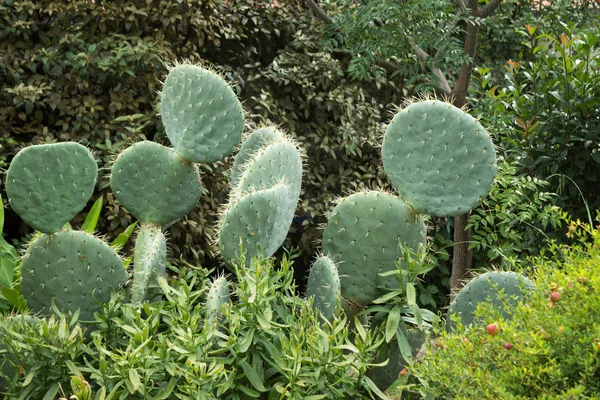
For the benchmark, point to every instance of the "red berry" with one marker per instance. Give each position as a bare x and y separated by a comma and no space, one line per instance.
554,297
508,346
492,329
403,372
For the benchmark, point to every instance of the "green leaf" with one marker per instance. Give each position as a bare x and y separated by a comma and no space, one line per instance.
249,392
387,296
123,238
15,298
134,378
411,294
403,344
1,215
246,340
252,376
91,220
8,263
375,389
360,328
391,325
51,393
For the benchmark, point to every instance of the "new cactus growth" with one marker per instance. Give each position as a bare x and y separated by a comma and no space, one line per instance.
202,116
487,288
439,158
73,268
218,294
364,233
324,286
264,197
47,185
256,141
149,263
154,183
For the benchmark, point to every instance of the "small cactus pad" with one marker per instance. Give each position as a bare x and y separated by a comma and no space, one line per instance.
75,269
218,294
148,264
271,164
324,286
486,288
202,115
49,184
439,158
257,140
364,233
154,183
259,219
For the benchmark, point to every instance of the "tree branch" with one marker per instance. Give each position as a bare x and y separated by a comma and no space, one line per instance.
424,57
489,8
318,11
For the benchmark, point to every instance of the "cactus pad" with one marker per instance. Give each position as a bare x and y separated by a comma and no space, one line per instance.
154,183
148,264
49,184
439,158
218,294
486,288
202,115
364,233
259,219
75,269
324,285
257,140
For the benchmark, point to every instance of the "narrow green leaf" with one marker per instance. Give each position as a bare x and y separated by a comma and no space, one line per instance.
391,325
124,237
134,378
360,328
387,297
8,263
375,389
15,298
246,341
248,391
403,345
411,294
252,376
51,393
1,215
91,220
418,316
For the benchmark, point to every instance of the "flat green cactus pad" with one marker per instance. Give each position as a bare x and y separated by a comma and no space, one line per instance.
149,261
257,140
487,288
202,115
324,286
363,234
75,269
439,158
259,219
154,183
49,184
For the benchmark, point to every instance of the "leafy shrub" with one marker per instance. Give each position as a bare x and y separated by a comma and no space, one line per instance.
546,113
550,349
267,343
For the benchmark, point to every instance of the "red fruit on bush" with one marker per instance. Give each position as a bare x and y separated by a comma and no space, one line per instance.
554,297
403,372
492,329
508,346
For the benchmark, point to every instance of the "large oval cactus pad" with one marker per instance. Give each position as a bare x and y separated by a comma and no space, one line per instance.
202,115
149,260
324,286
75,269
49,184
257,140
364,234
486,288
439,158
154,183
260,219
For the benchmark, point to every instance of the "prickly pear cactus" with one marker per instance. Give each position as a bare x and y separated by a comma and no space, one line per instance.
264,197
154,183
149,263
363,234
324,286
202,116
487,288
256,141
75,269
439,158
218,294
48,184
